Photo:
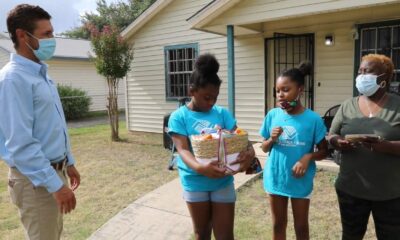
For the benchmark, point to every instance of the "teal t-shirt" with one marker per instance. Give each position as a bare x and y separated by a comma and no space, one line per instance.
300,133
186,122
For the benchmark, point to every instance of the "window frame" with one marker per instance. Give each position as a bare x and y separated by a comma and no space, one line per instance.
194,46
358,42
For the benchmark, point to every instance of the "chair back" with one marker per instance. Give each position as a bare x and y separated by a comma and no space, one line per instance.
328,116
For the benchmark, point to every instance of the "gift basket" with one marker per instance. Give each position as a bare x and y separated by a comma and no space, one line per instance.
219,145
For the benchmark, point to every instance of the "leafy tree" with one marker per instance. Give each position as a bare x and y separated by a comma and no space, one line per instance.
113,60
119,14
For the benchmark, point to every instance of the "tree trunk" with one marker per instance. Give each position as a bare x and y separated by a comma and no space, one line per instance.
112,108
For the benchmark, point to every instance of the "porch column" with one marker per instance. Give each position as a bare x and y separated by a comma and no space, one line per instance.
231,69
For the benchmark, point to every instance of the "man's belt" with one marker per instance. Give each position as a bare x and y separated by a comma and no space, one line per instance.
60,165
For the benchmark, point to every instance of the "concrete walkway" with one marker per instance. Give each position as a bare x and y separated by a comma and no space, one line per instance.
93,121
162,214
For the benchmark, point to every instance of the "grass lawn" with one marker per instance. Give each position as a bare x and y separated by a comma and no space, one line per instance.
113,175
253,215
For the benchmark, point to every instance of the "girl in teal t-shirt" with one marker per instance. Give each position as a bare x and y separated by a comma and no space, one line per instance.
207,189
290,133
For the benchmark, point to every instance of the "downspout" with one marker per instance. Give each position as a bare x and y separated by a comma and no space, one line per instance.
231,69
126,104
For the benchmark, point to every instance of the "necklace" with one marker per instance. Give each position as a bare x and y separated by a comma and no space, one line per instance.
371,115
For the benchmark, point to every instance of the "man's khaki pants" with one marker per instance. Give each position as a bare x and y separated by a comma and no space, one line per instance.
38,209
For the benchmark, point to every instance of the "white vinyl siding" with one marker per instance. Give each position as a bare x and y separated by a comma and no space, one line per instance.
254,11
334,65
146,81
83,75
4,57
249,84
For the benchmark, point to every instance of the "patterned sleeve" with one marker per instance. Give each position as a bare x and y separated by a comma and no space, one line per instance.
176,124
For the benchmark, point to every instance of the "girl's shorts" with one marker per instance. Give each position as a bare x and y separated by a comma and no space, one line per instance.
306,197
224,195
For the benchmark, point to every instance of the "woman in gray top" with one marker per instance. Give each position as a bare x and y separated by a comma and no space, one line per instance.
367,131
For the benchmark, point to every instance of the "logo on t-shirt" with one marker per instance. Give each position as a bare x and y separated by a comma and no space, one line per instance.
289,132
199,125
289,137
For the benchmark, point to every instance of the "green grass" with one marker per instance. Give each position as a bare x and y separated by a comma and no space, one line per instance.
253,216
114,174
95,114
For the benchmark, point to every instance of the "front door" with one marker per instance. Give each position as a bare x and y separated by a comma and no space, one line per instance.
288,52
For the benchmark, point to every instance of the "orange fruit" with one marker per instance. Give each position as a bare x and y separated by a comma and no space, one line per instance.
240,131
207,137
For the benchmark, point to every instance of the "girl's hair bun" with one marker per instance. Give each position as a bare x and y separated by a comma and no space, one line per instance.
305,68
207,65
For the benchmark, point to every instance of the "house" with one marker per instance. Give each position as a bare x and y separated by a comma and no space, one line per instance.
3,36
71,66
254,40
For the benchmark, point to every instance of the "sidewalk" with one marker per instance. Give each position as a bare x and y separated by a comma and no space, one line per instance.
162,214
88,122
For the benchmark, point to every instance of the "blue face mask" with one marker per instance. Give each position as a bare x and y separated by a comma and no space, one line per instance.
46,48
367,84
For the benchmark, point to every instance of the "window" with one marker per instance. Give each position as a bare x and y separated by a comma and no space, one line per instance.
382,38
179,65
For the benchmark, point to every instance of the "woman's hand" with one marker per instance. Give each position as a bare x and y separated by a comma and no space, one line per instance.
211,170
340,143
375,145
301,166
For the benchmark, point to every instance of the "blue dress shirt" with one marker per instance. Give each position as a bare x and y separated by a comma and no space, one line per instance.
33,131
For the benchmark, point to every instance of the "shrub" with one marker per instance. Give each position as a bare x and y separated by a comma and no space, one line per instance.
75,102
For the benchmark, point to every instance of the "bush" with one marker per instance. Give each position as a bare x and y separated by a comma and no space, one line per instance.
75,102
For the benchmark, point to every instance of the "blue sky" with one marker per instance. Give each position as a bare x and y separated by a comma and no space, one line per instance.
65,13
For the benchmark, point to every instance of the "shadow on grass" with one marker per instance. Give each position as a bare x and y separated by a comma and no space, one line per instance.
113,174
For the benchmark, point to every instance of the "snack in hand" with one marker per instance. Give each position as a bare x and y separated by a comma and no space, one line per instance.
240,131
356,138
206,137
207,146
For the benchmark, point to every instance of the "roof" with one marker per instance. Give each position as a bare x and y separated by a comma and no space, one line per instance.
145,17
201,10
210,11
66,48
202,18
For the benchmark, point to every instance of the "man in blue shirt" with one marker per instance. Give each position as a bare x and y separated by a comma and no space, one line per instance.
33,133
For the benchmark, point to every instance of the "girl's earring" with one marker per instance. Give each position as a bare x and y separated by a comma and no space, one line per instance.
383,84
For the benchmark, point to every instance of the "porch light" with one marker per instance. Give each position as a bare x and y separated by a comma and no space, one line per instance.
329,40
